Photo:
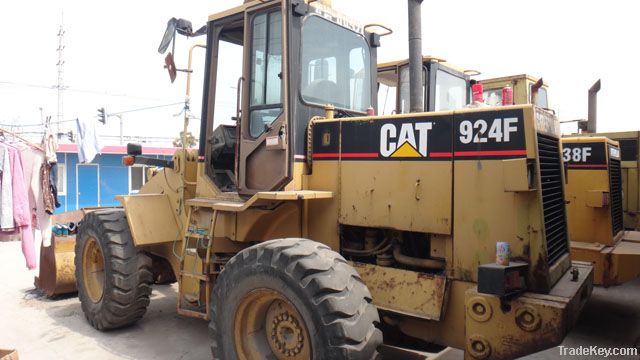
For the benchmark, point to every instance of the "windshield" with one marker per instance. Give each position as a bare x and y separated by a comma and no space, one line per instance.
451,92
335,66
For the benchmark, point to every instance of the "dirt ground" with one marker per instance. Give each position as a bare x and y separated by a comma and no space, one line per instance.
41,328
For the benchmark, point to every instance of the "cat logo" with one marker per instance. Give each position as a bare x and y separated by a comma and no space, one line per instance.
410,141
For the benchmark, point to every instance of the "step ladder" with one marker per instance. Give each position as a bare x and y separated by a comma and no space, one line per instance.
195,269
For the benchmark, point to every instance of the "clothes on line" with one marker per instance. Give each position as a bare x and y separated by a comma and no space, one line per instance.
88,142
6,196
26,195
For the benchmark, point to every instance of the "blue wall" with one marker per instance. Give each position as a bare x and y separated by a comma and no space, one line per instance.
106,178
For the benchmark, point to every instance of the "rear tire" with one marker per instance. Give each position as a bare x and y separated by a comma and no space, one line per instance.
113,278
322,309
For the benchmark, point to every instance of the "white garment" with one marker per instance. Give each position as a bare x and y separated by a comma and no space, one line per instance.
50,146
88,143
6,195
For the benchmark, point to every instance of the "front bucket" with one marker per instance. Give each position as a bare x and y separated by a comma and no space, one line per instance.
57,268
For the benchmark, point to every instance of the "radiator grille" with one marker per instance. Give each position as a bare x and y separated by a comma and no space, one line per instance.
615,194
553,204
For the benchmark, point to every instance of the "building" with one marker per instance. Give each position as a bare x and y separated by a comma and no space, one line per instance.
97,183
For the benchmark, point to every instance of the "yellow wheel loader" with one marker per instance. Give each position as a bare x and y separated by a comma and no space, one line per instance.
594,209
602,187
628,140
630,174
304,228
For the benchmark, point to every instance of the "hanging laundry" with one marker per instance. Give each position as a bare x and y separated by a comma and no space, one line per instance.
88,143
21,213
45,184
53,181
50,146
6,200
33,161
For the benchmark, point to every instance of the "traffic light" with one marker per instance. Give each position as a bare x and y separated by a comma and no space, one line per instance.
102,115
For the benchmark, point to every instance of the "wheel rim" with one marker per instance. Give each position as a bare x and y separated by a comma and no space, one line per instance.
267,323
93,269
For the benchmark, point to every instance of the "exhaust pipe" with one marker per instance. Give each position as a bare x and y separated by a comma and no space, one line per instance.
592,116
416,103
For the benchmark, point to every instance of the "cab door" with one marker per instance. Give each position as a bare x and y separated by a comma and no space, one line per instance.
263,157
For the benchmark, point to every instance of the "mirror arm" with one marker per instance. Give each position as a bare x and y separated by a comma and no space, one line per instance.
173,42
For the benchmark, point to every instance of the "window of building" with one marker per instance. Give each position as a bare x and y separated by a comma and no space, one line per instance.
61,184
137,178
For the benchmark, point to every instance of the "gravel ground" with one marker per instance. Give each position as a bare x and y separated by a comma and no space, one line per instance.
41,328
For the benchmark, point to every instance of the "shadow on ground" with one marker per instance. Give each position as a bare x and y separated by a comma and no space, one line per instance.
160,334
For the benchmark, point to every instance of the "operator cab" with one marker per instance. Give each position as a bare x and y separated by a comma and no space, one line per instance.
446,87
272,66
522,86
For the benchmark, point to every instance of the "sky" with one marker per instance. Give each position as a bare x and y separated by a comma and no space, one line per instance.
111,57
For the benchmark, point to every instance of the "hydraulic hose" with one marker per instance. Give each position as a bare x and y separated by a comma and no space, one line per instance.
432,264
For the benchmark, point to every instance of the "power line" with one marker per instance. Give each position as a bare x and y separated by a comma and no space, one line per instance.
145,108
72,89
109,114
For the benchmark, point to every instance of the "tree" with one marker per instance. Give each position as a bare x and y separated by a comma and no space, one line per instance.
191,140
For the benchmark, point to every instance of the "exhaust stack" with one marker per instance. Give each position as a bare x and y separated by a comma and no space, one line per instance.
592,116
416,99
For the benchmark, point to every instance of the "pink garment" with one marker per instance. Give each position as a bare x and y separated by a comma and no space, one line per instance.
21,212
32,161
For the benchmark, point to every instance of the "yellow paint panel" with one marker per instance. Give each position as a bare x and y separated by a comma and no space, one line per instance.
514,175
596,198
402,195
151,219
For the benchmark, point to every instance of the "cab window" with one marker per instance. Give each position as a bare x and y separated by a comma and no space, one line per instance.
451,91
405,89
387,90
335,66
266,72
542,97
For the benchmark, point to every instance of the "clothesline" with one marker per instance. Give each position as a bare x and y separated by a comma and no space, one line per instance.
37,147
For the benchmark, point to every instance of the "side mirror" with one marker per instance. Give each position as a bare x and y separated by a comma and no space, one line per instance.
169,35
182,27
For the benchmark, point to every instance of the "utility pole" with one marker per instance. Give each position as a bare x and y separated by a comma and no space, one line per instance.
121,128
60,85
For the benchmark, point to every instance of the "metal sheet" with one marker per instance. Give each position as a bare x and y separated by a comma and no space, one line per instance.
150,218
407,292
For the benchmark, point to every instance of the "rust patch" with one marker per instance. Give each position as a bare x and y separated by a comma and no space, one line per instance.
540,272
426,276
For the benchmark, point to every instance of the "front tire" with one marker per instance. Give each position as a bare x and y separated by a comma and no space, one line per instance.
113,278
292,299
